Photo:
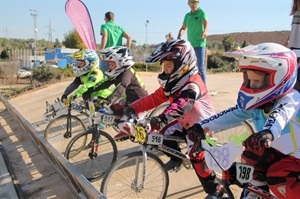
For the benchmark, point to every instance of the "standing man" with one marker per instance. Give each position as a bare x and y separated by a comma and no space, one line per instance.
112,35
197,24
169,37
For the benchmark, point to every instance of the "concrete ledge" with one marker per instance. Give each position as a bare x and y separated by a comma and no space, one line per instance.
7,189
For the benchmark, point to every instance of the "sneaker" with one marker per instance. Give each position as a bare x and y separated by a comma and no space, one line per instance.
101,126
212,93
121,136
173,165
99,140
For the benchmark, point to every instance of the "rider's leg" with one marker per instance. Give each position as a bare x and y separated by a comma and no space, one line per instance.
175,129
283,177
205,175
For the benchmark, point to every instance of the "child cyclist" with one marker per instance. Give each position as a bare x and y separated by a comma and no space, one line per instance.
87,72
181,84
267,96
122,75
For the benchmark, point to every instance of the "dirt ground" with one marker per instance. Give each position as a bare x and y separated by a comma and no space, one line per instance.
183,184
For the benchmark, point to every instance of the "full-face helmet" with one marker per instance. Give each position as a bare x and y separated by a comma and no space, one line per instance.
278,63
121,56
185,62
84,61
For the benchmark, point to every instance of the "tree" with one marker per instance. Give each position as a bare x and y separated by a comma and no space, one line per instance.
4,55
57,43
245,43
228,42
73,40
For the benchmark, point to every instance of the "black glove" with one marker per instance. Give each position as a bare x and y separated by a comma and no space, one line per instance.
257,141
156,123
196,133
63,98
128,111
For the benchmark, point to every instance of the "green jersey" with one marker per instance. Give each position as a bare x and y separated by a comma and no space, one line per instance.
90,80
114,34
195,28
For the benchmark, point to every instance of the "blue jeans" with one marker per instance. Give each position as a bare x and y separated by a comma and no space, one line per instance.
200,54
104,66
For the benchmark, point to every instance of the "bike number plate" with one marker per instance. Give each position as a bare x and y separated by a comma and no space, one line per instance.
155,139
140,133
108,119
244,173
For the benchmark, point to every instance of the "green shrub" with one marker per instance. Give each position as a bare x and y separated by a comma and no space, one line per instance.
151,67
44,73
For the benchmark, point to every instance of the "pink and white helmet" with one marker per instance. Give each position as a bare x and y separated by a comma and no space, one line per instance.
278,62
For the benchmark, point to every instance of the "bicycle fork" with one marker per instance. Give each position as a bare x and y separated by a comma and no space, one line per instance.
94,146
68,133
134,185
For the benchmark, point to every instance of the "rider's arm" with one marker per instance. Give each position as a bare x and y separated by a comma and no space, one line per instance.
149,102
89,82
124,80
182,104
73,86
285,110
225,118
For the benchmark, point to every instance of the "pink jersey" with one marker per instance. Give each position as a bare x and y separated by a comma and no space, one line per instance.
187,110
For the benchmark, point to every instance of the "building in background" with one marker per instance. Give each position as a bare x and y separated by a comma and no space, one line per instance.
59,56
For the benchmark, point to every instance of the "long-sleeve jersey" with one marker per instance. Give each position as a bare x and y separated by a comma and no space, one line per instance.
283,121
128,83
188,105
87,81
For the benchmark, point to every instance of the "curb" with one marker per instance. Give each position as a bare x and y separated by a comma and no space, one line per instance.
7,189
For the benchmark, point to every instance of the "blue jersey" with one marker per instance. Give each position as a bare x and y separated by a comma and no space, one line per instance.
283,121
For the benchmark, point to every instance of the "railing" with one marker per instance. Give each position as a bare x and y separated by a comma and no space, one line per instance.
65,169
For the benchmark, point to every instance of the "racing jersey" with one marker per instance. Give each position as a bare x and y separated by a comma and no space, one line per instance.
283,121
87,81
188,105
128,83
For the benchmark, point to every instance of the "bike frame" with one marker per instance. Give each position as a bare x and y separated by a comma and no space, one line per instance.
248,186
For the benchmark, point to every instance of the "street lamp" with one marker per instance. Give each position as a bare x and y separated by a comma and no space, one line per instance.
34,14
146,24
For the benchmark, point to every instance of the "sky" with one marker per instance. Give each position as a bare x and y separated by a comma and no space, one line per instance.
164,16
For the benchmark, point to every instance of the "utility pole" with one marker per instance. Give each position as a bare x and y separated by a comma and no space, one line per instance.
50,32
146,24
34,14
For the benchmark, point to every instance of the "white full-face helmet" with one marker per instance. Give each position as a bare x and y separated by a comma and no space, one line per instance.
121,56
185,62
89,57
278,63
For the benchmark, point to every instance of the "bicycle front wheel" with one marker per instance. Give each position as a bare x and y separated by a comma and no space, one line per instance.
59,131
126,179
92,160
222,136
158,110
